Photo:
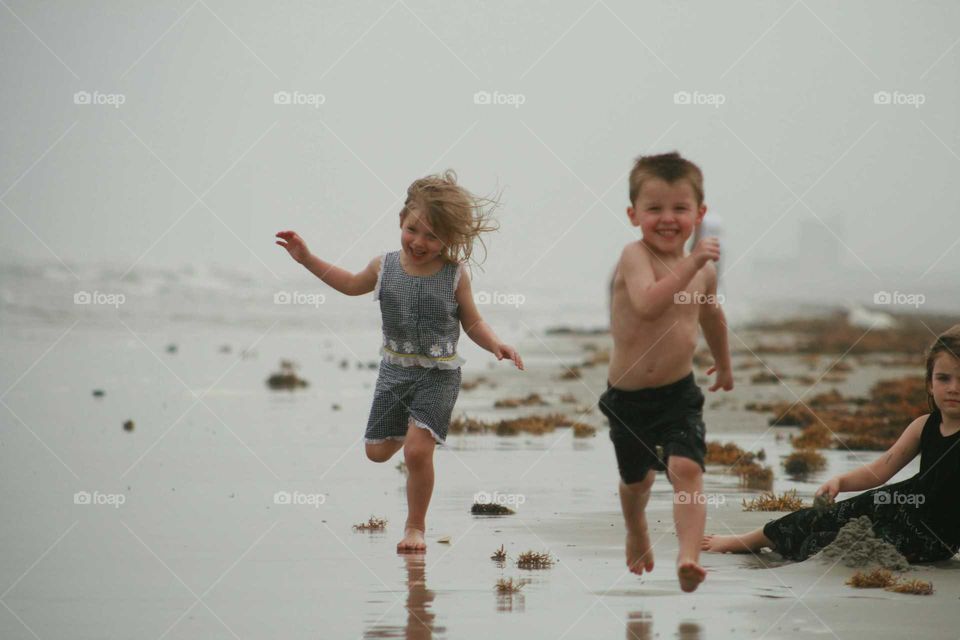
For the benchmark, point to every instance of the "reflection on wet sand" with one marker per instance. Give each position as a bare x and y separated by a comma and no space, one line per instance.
508,602
640,627
420,620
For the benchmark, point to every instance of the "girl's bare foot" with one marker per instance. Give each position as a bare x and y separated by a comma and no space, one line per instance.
746,543
639,552
413,541
690,574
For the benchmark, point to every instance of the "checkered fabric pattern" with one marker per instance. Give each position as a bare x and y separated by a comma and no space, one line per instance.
425,396
421,323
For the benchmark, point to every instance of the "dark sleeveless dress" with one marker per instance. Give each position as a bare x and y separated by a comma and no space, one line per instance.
920,516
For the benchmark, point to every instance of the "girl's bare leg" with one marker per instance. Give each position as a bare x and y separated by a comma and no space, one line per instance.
742,543
383,451
418,454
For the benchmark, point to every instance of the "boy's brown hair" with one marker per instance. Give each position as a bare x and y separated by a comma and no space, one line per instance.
669,167
946,342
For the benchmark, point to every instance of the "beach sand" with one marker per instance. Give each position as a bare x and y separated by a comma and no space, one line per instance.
201,545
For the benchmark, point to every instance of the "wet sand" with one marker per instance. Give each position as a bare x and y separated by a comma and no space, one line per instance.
201,548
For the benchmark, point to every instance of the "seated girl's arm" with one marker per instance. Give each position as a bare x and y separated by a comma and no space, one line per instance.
351,284
883,468
476,328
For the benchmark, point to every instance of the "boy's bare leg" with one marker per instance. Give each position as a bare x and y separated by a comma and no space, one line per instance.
633,502
689,517
742,543
418,454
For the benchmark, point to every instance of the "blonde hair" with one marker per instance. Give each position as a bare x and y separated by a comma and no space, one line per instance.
669,167
455,215
946,342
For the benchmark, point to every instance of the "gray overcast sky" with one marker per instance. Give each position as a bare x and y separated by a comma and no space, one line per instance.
598,81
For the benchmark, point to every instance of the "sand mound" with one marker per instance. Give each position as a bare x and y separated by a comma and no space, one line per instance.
856,545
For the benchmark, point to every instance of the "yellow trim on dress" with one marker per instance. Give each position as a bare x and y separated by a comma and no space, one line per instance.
419,355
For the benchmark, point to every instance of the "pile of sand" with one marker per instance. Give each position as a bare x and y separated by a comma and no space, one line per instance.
858,546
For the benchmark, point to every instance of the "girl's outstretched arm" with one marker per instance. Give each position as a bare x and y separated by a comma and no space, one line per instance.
883,468
477,329
351,284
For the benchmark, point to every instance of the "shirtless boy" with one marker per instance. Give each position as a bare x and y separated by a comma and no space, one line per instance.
659,295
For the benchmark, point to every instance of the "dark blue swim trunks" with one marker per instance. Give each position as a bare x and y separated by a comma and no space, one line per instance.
669,417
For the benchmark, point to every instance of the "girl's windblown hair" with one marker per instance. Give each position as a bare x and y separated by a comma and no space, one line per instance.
456,216
946,342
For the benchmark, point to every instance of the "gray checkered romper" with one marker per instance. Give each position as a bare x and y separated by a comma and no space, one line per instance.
419,378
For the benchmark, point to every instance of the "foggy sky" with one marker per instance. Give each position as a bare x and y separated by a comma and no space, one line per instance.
201,165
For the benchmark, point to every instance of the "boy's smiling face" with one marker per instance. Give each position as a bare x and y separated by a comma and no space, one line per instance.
667,213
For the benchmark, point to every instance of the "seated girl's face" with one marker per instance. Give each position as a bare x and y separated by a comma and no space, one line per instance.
945,386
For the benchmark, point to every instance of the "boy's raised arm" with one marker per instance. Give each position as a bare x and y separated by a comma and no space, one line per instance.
651,298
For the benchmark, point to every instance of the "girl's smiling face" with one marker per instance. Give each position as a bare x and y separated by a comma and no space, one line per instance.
945,385
418,241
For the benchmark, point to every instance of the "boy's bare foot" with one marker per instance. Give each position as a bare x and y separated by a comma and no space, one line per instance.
413,541
728,544
639,552
690,575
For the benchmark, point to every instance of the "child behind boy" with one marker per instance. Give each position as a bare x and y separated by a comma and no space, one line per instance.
659,295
